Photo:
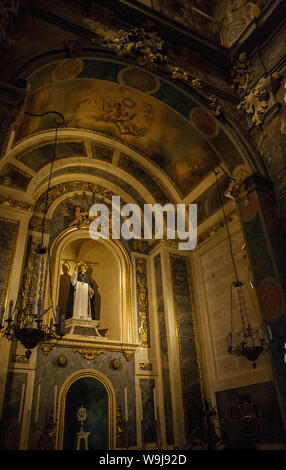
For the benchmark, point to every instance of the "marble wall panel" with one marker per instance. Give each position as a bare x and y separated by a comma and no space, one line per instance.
187,341
218,275
50,374
14,395
30,276
149,425
8,238
164,350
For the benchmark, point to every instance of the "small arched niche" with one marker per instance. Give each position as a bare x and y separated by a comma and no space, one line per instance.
109,270
91,390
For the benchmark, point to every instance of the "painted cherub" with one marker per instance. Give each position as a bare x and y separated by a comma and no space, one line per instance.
79,217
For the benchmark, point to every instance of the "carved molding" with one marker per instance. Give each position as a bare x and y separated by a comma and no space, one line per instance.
20,359
47,347
15,204
89,353
216,228
258,98
215,105
61,188
144,44
257,101
89,347
148,366
128,355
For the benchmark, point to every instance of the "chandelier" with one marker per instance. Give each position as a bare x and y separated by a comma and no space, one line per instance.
249,341
25,323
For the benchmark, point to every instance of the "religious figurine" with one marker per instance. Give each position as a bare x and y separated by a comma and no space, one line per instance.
80,301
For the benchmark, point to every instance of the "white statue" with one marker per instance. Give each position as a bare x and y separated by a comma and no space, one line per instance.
81,301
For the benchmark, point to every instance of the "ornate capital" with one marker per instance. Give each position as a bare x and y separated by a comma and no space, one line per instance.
128,355
258,98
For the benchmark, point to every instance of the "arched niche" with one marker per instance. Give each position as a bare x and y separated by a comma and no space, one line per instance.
110,270
93,390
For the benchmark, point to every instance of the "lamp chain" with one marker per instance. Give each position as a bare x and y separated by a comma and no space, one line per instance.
226,224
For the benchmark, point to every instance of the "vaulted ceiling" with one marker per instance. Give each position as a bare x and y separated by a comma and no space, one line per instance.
169,129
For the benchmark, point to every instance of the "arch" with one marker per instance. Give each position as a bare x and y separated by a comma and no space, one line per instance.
239,152
29,154
95,374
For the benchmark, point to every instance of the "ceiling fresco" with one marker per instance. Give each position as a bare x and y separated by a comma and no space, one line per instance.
131,105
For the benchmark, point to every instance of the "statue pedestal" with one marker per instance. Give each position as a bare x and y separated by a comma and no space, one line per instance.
84,327
82,436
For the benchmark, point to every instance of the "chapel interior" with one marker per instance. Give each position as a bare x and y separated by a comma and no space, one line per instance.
159,102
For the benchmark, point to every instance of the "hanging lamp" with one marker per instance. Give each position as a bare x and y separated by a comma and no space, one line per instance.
249,341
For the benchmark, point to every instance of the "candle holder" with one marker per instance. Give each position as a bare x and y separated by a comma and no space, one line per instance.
22,323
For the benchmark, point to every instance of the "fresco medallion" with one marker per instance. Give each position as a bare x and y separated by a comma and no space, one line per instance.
68,69
204,122
139,79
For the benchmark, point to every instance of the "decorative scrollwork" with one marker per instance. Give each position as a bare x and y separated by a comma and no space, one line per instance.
257,97
73,186
15,204
148,48
128,355
148,366
256,103
47,347
142,302
89,353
